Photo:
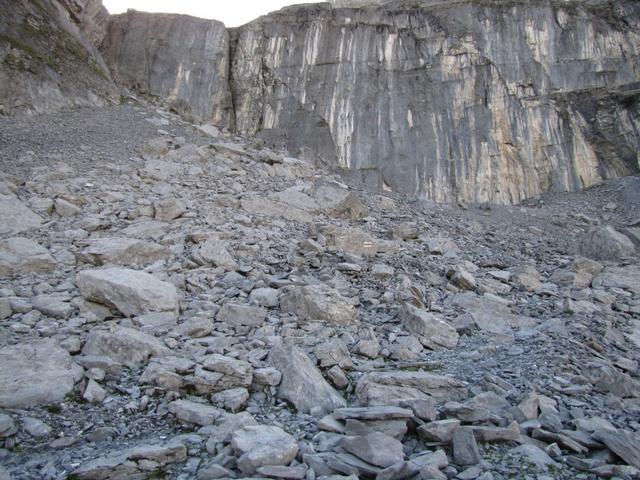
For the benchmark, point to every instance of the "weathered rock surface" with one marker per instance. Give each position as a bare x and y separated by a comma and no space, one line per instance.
302,383
262,445
183,59
126,346
605,243
37,373
123,251
16,217
130,291
319,302
21,256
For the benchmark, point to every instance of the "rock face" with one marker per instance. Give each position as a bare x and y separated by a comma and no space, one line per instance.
46,63
37,373
181,58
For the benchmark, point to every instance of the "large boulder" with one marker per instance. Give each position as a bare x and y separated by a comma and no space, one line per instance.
37,373
302,383
606,243
130,291
20,256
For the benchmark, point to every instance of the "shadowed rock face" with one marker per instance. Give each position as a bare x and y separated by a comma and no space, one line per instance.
471,101
183,59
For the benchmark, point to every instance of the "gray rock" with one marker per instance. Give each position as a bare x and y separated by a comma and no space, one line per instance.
130,291
21,256
534,455
16,217
274,471
262,445
7,426
157,54
439,431
125,346
376,448
38,373
197,413
36,428
264,297
236,314
53,306
623,443
123,251
214,252
65,208
94,393
465,448
318,302
169,209
302,383
432,331
605,243
227,424
233,399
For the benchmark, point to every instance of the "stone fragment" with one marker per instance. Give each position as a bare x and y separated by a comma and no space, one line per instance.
169,209
352,240
264,297
534,455
35,427
53,305
333,352
526,277
441,246
37,373
130,291
21,256
196,413
236,314
376,448
262,445
230,372
339,202
605,243
233,399
338,377
66,209
224,427
431,331
302,383
439,431
7,426
94,393
372,413
382,271
123,345
16,217
319,303
123,251
214,252
274,471
465,448
624,443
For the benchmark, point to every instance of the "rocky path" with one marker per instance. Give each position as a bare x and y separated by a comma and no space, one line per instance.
181,303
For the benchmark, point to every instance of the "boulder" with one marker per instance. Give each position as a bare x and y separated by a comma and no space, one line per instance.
262,445
123,251
319,303
130,291
302,383
605,243
21,256
236,314
214,252
196,413
126,346
376,448
16,217
431,331
37,373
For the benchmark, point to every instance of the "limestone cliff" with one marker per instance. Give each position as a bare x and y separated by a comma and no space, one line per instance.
466,100
46,63
181,58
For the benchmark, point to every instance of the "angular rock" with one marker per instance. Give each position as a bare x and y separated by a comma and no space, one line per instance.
94,393
130,291
169,209
623,443
38,373
432,331
230,372
123,345
319,303
196,413
236,314
465,448
21,256
233,399
302,383
214,252
376,448
16,217
439,431
605,243
123,251
262,445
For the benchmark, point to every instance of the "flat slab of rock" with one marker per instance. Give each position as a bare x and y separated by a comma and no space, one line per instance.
123,251
235,314
16,217
197,413
262,445
392,388
302,383
372,413
130,291
376,448
37,373
623,443
431,331
214,252
126,346
20,256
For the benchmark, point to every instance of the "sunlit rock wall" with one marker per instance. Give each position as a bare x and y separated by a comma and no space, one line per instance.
180,58
470,101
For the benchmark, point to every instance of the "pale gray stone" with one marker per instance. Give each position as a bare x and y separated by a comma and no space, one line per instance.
21,256
123,251
319,302
431,331
197,413
376,448
16,217
263,445
123,345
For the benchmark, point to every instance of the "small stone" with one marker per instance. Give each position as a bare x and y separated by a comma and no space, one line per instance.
376,448
7,426
263,445
236,314
439,431
465,448
192,412
432,331
66,209
21,256
233,399
338,377
94,393
36,428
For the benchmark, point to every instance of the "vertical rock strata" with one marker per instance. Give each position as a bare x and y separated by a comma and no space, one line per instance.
181,58
479,101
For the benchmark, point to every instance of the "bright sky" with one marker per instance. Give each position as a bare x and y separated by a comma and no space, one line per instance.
232,12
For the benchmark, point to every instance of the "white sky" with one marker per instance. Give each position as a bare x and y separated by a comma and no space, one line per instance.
232,12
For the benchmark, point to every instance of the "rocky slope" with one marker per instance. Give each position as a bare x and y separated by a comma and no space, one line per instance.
179,303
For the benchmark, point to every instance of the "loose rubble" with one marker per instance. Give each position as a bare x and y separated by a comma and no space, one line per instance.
182,304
